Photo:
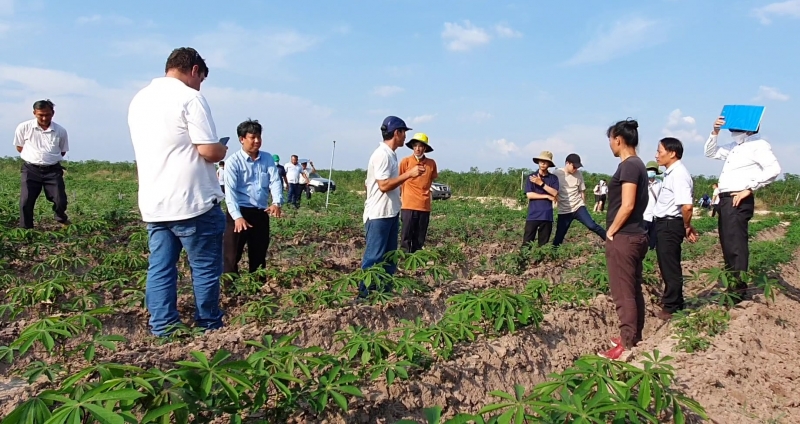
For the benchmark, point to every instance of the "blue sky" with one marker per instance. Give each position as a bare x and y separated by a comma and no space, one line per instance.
491,82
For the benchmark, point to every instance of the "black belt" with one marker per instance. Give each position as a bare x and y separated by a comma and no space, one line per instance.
669,218
727,194
42,166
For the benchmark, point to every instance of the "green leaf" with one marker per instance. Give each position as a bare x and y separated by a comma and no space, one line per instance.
104,415
340,400
161,411
117,395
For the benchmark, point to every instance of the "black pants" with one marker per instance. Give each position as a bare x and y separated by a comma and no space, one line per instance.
415,229
307,189
294,194
34,178
714,210
670,234
650,226
733,236
256,238
540,228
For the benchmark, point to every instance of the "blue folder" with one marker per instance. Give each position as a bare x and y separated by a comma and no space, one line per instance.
742,117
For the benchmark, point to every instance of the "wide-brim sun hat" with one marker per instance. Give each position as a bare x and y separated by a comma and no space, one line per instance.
654,166
545,156
420,138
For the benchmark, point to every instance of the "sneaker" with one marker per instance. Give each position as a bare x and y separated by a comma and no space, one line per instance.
614,353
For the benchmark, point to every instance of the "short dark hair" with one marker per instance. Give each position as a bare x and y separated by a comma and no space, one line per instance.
295,156
627,129
44,104
222,163
184,59
672,144
250,126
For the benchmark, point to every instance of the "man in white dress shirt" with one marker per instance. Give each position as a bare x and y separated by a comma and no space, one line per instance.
749,166
673,217
653,190
41,144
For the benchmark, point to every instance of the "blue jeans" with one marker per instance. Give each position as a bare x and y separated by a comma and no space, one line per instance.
201,236
582,215
295,191
381,238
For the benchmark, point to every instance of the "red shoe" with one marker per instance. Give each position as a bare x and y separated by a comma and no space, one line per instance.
615,341
613,353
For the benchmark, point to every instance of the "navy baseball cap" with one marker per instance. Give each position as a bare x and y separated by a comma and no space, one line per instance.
392,123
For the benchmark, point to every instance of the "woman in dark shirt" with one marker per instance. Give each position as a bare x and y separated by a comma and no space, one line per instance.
626,243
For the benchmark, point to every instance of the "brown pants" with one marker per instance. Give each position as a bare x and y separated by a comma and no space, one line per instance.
624,256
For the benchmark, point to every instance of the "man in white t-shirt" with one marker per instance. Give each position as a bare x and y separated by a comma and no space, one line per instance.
382,207
176,146
571,200
221,175
294,176
41,144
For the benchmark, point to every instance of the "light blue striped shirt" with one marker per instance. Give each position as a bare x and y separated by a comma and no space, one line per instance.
248,181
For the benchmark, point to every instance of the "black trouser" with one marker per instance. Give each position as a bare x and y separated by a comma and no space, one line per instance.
540,228
295,194
714,210
670,233
34,178
307,189
256,238
733,223
415,229
650,226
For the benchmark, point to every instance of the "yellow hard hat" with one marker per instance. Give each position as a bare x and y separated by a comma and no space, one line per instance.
422,138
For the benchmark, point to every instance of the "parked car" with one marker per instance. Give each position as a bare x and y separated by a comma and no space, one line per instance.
440,191
317,184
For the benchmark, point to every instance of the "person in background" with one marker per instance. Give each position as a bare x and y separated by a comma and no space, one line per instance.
176,146
673,216
600,193
221,175
541,189
705,201
653,190
626,243
715,200
251,176
306,175
571,200
281,171
749,165
42,144
382,207
416,194
294,177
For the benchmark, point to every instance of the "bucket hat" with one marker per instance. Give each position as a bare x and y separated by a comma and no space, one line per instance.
421,138
546,156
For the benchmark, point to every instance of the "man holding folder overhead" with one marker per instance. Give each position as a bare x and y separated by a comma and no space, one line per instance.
749,166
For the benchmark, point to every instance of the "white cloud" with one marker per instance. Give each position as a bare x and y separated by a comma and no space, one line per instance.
80,100
770,93
789,8
342,29
682,127
387,90
506,32
103,19
503,147
225,46
4,28
626,36
461,38
481,116
581,139
422,119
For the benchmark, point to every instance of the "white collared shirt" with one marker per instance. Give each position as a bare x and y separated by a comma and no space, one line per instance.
676,191
41,147
653,190
293,173
382,166
750,165
167,119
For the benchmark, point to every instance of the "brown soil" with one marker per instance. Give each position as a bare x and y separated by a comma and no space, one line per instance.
750,373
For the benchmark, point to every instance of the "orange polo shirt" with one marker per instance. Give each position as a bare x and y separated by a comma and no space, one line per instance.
416,192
